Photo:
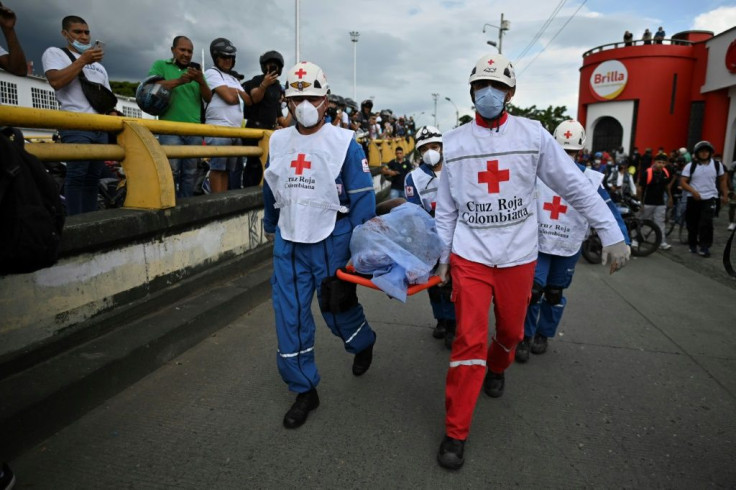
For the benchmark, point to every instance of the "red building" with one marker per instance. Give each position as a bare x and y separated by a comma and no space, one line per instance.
671,95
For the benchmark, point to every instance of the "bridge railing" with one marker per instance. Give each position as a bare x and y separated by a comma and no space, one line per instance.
149,180
637,42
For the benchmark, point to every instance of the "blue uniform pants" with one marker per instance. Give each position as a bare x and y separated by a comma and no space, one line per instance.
299,269
551,271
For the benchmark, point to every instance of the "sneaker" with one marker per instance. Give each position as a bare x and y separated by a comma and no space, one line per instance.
539,344
363,359
297,414
439,330
665,246
732,227
693,251
450,455
493,384
522,350
705,252
7,478
450,333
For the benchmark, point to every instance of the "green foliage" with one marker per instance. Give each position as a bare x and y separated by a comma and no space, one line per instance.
464,119
126,89
549,117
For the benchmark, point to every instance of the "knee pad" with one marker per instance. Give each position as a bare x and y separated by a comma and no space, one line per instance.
336,295
537,290
553,295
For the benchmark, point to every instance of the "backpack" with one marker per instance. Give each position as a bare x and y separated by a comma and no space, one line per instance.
694,166
31,212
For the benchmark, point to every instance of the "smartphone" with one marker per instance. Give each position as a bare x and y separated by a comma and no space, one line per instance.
195,65
100,44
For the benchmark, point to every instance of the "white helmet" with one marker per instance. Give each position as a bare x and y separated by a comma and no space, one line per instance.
570,135
426,135
306,78
494,67
683,150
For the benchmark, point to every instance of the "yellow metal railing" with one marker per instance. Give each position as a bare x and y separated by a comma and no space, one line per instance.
150,184
381,151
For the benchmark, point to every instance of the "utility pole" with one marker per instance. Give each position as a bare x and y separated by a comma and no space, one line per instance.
354,38
296,23
434,96
505,26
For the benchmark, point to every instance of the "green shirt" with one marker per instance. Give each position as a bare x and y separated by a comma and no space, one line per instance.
185,105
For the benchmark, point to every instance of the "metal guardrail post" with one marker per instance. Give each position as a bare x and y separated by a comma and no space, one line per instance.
263,145
149,179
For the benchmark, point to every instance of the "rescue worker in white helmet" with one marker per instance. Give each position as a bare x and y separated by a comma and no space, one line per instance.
420,187
486,219
318,188
562,230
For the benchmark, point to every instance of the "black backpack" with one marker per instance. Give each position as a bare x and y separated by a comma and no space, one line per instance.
31,212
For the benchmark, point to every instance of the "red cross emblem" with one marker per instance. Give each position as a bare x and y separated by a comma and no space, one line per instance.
490,62
300,73
555,208
493,176
567,134
300,164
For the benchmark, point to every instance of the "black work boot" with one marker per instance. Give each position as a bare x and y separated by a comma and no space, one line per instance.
450,455
522,350
493,384
539,344
439,330
450,326
297,414
363,359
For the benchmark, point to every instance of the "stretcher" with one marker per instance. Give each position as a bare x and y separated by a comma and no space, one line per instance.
348,274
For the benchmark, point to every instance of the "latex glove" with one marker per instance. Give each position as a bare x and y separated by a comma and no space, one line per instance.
618,254
269,236
443,270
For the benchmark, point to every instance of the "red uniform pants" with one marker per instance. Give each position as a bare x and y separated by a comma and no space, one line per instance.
474,285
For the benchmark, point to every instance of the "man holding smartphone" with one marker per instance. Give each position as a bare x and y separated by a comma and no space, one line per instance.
265,92
13,60
188,87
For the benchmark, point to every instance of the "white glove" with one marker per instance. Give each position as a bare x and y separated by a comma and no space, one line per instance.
443,270
618,253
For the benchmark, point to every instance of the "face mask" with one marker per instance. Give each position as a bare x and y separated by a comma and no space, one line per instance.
489,102
597,162
307,114
431,157
81,48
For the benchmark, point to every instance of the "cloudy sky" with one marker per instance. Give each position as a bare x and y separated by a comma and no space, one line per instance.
407,49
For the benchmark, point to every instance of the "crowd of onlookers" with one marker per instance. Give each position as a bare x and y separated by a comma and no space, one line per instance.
646,37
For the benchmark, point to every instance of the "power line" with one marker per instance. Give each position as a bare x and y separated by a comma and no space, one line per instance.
541,29
553,37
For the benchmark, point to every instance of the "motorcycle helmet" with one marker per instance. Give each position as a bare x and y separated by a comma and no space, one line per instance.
570,135
274,56
598,155
222,47
153,97
700,145
495,67
306,79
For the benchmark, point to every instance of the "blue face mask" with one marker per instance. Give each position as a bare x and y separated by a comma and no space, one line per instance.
81,48
489,102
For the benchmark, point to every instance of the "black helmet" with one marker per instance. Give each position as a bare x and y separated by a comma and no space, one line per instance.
271,56
367,103
153,97
702,145
222,47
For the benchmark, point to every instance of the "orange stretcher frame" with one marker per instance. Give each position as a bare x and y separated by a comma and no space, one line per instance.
348,274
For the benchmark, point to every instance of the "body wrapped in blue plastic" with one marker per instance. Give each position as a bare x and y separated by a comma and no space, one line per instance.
399,248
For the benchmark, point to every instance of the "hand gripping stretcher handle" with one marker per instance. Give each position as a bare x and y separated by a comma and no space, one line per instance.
348,274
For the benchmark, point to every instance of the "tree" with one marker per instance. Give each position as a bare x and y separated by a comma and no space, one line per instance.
464,119
550,117
126,89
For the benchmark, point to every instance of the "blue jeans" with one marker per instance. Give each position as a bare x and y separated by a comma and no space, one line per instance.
82,176
184,169
395,193
556,272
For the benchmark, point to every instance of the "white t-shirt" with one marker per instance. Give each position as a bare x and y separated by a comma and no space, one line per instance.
218,111
70,97
704,179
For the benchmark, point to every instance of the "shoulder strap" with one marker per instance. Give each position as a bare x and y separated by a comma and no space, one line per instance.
71,57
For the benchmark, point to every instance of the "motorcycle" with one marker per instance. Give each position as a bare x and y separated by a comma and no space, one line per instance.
645,235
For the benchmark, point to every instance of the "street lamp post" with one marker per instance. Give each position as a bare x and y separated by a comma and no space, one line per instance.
297,35
505,26
354,38
434,96
457,112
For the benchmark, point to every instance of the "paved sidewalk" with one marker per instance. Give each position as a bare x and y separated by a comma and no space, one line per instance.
637,391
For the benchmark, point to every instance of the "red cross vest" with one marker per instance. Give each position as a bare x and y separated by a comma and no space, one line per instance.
425,186
301,174
561,228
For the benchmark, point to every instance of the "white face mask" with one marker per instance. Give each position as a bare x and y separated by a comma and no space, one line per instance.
307,114
431,157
